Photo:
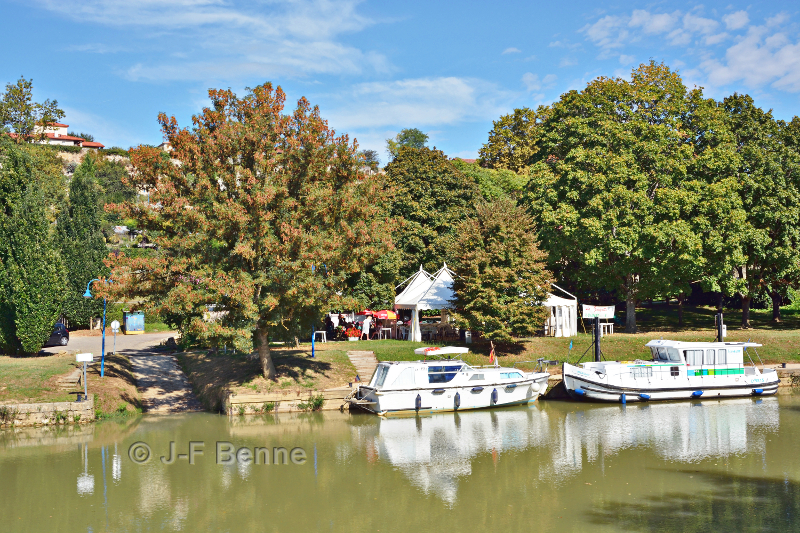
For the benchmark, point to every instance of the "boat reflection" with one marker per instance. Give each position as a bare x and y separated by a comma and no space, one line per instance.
435,452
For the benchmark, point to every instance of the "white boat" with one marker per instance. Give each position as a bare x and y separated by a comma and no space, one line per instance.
429,386
678,371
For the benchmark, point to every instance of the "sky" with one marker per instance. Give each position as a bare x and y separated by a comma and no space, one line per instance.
376,67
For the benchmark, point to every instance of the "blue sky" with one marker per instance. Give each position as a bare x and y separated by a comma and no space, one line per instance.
375,67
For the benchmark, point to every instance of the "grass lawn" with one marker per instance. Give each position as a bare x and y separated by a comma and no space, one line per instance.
214,374
33,380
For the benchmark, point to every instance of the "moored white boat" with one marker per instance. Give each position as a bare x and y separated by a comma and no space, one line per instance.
409,387
677,371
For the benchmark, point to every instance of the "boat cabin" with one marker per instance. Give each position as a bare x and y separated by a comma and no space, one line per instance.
722,356
398,375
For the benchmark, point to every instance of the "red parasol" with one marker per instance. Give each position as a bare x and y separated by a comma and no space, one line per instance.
386,315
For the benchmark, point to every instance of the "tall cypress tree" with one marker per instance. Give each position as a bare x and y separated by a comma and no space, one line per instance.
31,270
82,244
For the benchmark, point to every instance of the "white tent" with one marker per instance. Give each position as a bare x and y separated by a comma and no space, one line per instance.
426,292
563,319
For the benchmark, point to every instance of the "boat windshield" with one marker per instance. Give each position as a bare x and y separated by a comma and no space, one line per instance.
665,354
442,374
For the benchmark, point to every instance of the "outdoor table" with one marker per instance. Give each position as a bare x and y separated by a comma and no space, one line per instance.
385,333
606,328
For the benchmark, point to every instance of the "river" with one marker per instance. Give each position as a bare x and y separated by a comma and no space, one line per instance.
728,465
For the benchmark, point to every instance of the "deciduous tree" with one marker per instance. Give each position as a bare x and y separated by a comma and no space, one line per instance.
513,141
22,115
502,277
265,215
409,137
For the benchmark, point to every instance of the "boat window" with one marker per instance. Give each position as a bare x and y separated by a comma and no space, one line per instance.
654,350
642,371
674,356
709,360
674,371
442,374
381,377
405,379
510,375
694,357
662,354
476,377
722,357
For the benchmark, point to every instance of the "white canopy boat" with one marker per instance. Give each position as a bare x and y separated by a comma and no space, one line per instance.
678,371
429,386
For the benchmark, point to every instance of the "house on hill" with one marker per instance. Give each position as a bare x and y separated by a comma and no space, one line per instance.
57,135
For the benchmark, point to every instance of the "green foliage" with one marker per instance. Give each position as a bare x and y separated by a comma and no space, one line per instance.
266,217
82,244
46,170
374,286
501,275
513,141
69,149
371,159
115,150
31,271
85,136
768,172
21,114
409,137
430,197
611,189
493,183
313,404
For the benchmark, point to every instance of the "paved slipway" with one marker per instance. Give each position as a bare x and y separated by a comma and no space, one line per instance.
163,386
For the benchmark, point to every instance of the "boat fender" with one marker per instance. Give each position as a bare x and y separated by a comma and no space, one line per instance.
494,395
697,393
535,387
580,392
477,389
438,391
622,398
511,386
457,401
758,391
418,403
644,396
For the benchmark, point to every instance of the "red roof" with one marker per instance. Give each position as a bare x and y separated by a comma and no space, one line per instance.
92,144
466,160
63,137
58,125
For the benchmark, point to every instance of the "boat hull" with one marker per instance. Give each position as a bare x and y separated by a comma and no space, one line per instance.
444,399
580,386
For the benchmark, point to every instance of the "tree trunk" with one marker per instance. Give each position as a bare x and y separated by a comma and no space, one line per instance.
267,366
681,297
630,305
776,306
719,302
746,311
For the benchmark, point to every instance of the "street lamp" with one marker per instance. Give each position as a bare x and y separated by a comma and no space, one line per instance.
88,294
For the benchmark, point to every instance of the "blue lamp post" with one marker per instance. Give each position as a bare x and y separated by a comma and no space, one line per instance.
88,294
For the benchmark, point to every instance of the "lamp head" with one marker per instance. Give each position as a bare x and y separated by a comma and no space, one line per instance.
87,294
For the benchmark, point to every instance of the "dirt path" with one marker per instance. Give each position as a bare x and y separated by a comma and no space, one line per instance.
163,385
365,363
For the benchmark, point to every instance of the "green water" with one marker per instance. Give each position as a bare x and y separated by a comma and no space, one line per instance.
701,466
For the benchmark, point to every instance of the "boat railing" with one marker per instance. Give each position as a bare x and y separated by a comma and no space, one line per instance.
541,364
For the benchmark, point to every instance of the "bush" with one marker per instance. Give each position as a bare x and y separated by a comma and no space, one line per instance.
115,150
70,149
313,404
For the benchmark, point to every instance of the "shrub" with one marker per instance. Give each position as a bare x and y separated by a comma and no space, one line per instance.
313,404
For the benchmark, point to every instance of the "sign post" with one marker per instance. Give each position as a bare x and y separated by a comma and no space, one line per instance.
115,330
84,358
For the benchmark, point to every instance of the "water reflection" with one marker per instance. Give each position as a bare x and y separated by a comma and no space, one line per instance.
435,452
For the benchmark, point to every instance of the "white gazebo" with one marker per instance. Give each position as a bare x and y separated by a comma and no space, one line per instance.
425,292
563,318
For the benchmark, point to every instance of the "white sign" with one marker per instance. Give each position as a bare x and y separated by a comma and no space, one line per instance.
598,311
83,357
115,326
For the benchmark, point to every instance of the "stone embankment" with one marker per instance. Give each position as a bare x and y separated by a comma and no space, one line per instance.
45,414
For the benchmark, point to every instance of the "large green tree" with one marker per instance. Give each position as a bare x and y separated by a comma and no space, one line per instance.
409,138
31,271
429,197
83,248
502,277
769,177
493,183
513,140
20,114
609,188
265,215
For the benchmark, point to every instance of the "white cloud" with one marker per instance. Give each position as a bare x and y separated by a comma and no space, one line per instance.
419,102
695,24
564,44
757,60
533,83
511,50
735,21
653,23
715,39
291,37
608,32
567,62
626,60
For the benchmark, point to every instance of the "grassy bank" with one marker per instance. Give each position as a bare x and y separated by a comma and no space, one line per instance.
213,375
33,379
